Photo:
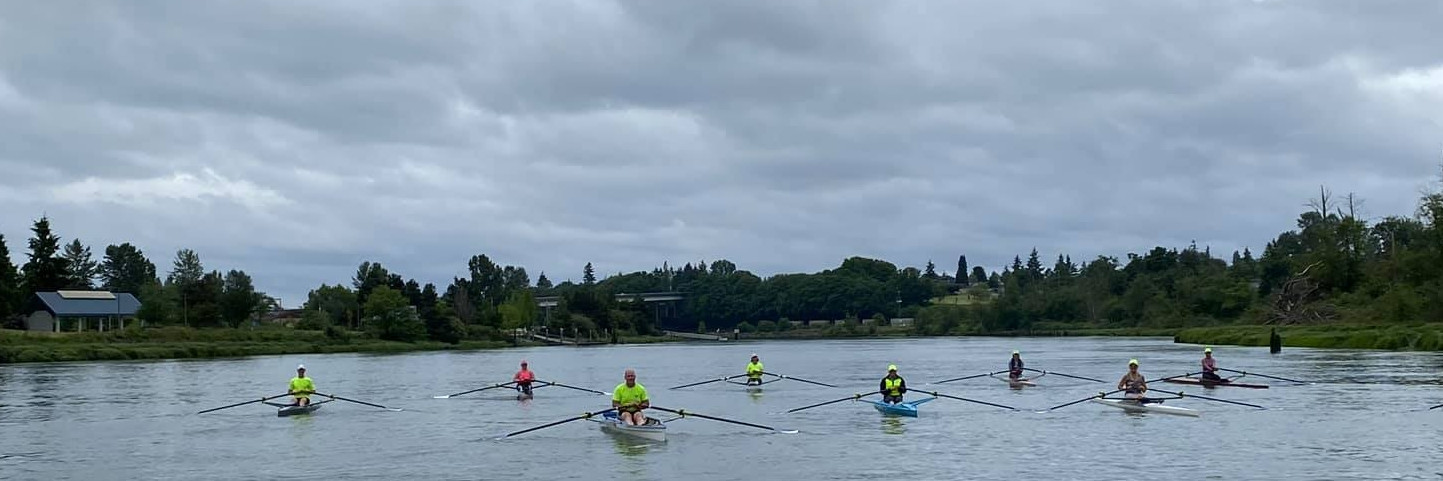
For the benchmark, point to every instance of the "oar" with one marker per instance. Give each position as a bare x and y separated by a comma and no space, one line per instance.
1264,376
1180,394
563,421
948,396
494,386
1435,407
684,413
1099,395
363,403
708,382
1055,373
261,400
848,398
784,376
964,378
557,384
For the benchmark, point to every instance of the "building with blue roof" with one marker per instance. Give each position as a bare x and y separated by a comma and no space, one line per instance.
73,311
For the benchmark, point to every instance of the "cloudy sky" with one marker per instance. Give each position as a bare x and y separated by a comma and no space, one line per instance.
296,139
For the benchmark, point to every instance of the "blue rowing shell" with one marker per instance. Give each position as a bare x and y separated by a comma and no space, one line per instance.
908,408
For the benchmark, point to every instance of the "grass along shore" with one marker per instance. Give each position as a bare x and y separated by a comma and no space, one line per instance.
1417,337
187,343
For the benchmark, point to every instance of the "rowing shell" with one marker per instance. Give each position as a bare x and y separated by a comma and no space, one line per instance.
908,408
653,430
289,410
1210,384
1133,406
1018,383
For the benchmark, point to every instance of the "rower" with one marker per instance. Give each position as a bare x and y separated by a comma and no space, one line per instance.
1014,367
523,379
629,398
1133,383
301,387
754,371
1210,367
893,386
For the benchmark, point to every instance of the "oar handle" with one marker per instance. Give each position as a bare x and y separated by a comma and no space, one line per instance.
363,403
959,398
563,421
1180,394
684,413
1099,395
253,401
1062,374
834,401
557,384
784,376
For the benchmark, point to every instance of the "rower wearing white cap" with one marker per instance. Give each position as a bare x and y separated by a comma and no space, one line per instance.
1014,367
1210,366
754,371
1133,383
301,387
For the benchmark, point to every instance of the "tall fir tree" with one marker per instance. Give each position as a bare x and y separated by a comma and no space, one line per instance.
542,282
80,265
10,291
186,269
588,275
125,269
962,270
45,271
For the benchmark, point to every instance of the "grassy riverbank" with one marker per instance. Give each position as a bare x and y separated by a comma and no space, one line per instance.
184,343
1419,337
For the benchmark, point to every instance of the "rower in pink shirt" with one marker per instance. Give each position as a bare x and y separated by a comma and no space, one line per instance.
523,379
1210,366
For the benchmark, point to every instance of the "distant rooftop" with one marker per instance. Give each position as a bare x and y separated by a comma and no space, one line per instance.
88,303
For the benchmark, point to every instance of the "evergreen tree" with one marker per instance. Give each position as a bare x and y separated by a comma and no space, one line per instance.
186,270
239,299
10,290
962,270
80,265
125,269
931,271
45,271
588,275
542,282
979,275
1034,265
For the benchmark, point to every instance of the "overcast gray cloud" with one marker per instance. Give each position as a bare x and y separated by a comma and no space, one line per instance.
296,139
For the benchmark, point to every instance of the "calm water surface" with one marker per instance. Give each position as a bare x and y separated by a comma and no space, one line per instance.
1365,417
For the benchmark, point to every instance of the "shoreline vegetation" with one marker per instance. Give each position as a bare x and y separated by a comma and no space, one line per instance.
191,343
1336,279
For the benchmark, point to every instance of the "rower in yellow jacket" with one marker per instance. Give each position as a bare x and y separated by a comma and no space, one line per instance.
754,371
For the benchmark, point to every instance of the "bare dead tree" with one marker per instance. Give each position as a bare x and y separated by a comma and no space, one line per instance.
1294,303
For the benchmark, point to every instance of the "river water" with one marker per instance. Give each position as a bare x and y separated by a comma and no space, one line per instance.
1364,417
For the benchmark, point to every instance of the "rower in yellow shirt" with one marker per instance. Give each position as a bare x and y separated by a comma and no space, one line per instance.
629,398
754,371
301,387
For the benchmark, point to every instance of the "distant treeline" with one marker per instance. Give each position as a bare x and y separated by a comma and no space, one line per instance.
1335,266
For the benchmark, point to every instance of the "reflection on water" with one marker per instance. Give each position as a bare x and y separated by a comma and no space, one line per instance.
893,425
